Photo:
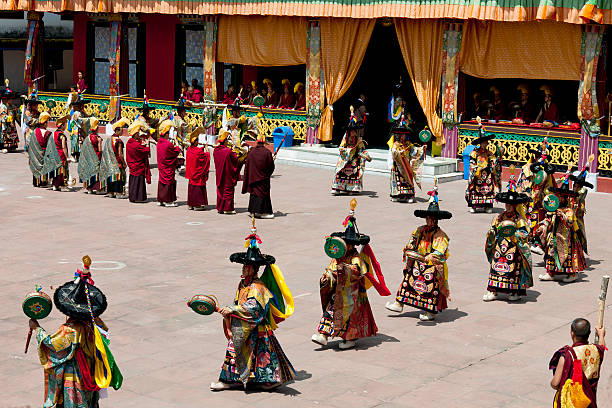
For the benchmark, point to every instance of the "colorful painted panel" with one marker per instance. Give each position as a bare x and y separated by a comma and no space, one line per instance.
101,69
101,36
194,47
132,42
132,89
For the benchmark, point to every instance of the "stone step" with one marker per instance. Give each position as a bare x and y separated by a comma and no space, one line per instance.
444,169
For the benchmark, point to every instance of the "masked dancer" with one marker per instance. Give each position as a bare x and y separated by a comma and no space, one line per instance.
348,178
507,248
343,287
254,356
535,180
485,174
563,253
76,359
425,284
407,163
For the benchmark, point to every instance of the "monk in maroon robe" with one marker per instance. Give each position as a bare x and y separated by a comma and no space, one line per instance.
42,136
286,101
59,138
300,98
580,362
196,171
258,170
137,158
227,173
96,143
167,154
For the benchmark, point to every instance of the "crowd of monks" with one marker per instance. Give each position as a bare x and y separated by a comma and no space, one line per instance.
542,215
105,166
266,95
525,110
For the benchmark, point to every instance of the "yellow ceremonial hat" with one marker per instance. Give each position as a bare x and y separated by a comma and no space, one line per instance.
523,88
134,128
165,126
123,122
494,89
286,82
547,90
298,86
93,123
223,134
193,137
62,120
44,117
267,81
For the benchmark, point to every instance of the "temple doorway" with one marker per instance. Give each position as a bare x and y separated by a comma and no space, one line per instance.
382,74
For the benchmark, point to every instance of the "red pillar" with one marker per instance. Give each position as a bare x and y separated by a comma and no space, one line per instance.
249,73
79,47
160,43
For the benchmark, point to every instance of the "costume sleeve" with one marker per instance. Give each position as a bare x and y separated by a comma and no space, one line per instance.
440,245
56,349
250,311
255,308
411,245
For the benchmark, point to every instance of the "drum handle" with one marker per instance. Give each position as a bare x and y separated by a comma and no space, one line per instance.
28,341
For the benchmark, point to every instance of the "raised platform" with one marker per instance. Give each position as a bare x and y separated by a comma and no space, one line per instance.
315,156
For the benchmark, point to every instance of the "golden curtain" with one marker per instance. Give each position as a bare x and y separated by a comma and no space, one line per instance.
343,44
262,40
530,50
421,45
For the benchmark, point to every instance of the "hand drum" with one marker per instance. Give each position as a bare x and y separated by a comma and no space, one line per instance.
37,305
203,304
335,247
507,229
551,202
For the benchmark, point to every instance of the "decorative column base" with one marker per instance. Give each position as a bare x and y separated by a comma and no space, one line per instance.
451,135
589,144
311,135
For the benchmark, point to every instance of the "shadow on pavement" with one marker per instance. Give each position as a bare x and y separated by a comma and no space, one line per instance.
591,263
446,316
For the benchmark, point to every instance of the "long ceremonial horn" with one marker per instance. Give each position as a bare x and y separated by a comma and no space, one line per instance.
602,304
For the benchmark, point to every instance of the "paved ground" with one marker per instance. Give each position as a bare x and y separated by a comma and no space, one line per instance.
149,260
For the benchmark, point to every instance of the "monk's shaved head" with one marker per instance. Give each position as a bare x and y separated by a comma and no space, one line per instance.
581,328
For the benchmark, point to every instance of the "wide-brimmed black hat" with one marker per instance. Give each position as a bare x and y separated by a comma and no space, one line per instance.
564,190
180,104
433,210
536,152
512,197
354,125
252,256
71,300
483,138
351,234
580,179
32,102
548,169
